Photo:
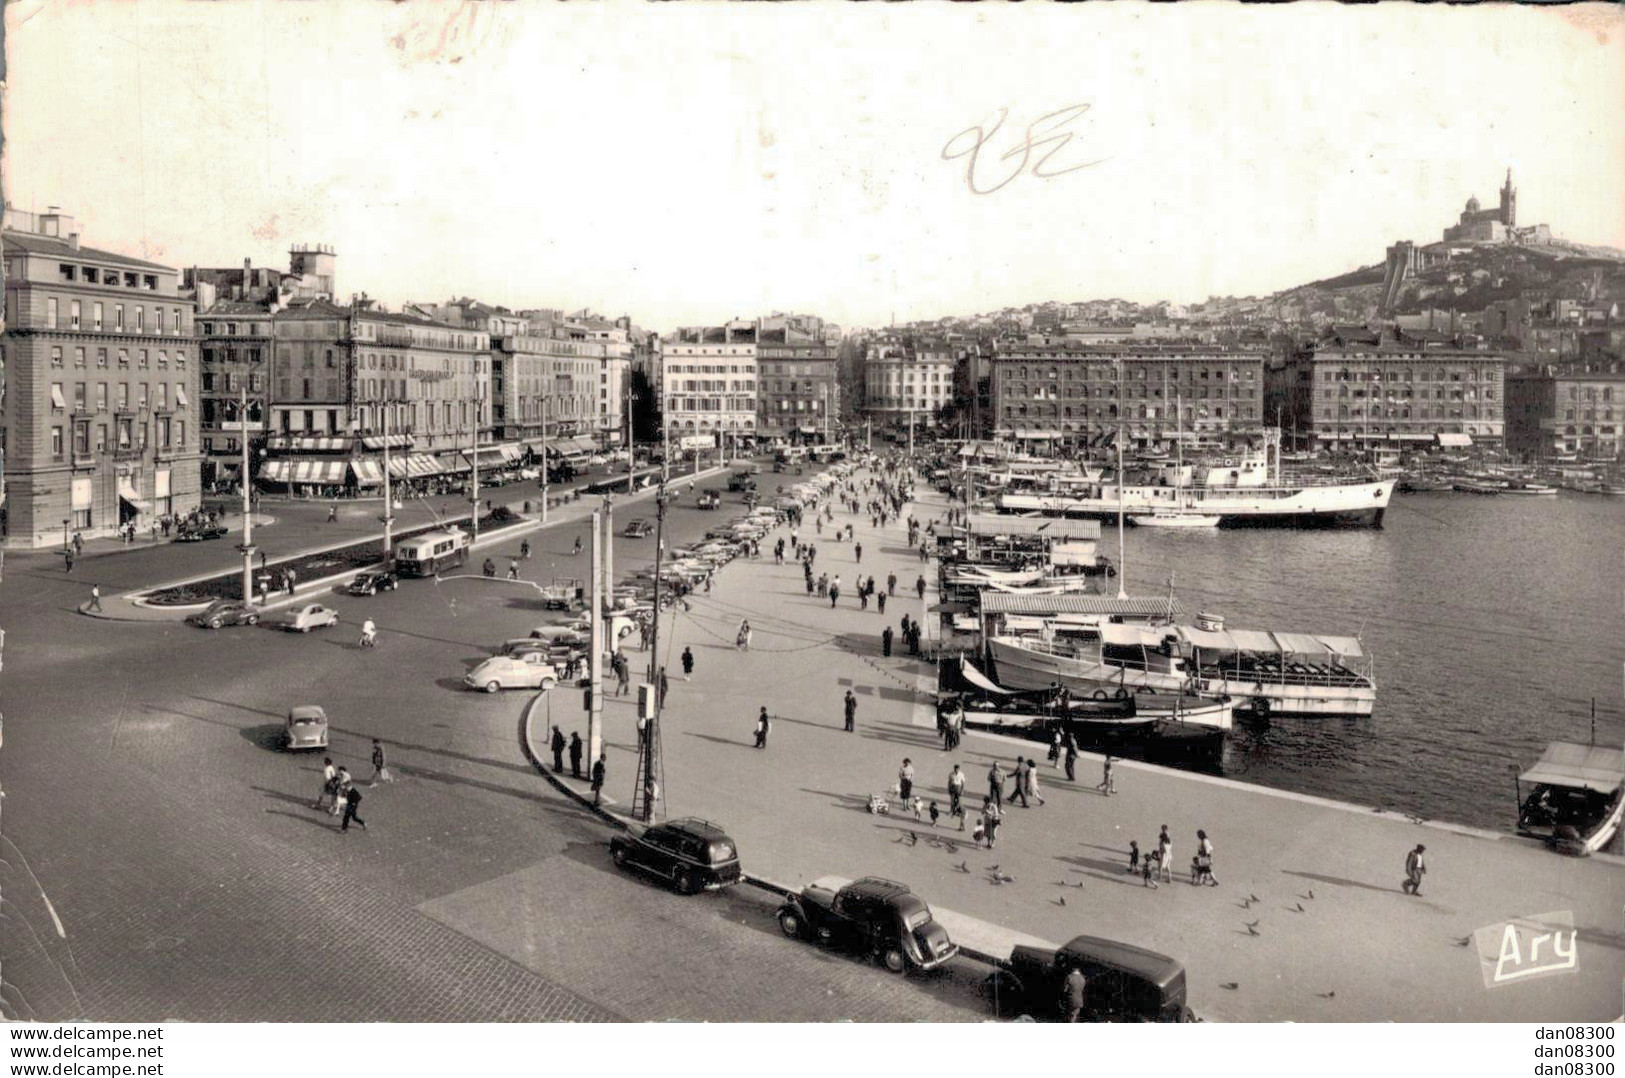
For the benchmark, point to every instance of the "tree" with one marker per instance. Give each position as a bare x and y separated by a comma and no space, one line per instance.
645,408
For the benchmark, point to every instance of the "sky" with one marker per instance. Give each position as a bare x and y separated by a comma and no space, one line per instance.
689,163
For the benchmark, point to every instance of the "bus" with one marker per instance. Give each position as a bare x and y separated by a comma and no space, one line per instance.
429,553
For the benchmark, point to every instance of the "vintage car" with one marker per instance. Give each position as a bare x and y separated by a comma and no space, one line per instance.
695,855
310,616
637,529
224,612
306,729
526,670
876,917
709,499
371,583
742,480
197,531
1124,983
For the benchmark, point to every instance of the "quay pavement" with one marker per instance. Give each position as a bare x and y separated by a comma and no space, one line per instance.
1336,940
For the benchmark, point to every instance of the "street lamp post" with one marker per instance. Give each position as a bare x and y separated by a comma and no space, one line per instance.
248,504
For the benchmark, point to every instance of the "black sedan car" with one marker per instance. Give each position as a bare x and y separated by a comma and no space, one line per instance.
695,855
877,917
1123,983
197,532
224,612
371,583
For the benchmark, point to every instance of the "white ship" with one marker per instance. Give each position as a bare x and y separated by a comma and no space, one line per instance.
1264,672
1241,491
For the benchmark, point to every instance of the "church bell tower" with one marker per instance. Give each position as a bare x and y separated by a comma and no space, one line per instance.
1509,202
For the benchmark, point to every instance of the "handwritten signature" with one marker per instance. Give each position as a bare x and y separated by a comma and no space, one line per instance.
1046,131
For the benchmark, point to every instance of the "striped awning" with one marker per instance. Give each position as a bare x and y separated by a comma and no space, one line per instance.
452,463
497,456
303,470
413,466
393,441
368,473
300,443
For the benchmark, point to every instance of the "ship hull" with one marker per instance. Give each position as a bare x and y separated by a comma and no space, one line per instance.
1343,505
1021,667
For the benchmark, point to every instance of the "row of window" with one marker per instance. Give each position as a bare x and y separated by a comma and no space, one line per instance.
137,322
713,385
142,358
712,404
1405,374
131,433
81,392
1406,393
231,382
1590,413
1110,412
800,406
787,370
67,271
1422,412
710,368
1591,393
1161,372
229,329
1041,391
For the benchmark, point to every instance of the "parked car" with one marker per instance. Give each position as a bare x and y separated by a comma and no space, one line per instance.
637,529
525,670
1124,982
308,617
306,729
224,612
189,532
709,499
371,583
741,480
530,473
694,855
880,918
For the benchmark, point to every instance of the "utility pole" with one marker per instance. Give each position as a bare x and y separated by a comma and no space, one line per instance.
248,505
649,767
389,502
474,473
631,456
547,406
595,692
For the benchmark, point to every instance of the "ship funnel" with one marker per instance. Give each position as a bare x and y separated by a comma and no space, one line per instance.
1210,623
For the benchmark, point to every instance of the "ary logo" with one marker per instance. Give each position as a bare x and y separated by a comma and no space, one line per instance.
1527,948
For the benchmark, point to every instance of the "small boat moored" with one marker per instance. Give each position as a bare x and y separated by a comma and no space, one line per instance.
1576,800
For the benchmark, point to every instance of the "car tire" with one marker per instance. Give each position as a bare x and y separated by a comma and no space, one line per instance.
790,923
252,619
214,623
683,881
619,855
1003,993
492,686
304,628
894,960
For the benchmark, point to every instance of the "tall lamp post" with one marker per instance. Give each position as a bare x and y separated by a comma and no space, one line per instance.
247,546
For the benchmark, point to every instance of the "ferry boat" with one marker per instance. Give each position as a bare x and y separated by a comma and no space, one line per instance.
1240,491
1575,803
1264,672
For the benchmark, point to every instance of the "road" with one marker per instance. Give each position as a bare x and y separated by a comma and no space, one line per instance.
149,814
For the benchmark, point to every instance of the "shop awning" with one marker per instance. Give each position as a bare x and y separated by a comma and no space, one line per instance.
376,442
303,470
452,463
368,473
413,466
301,443
128,494
493,456
1587,767
1454,441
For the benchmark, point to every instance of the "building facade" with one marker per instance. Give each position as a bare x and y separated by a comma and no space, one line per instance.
900,381
1552,413
98,418
235,343
1393,394
799,394
709,386
544,385
1151,394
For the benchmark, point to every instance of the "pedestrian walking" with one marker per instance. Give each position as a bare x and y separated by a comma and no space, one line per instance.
575,754
623,676
1133,857
880,602
1108,785
1165,855
380,768
885,640
291,579
598,769
1019,787
742,637
513,569
333,512
341,787
524,549
919,587
1032,781
1055,750
995,783
834,592
993,816
905,780
1074,990
1070,754
489,568
1204,861
661,685
857,548
762,727
95,598
956,794
891,583
578,546
1148,871
329,780
1414,870
78,543
688,663
557,745
851,711
352,805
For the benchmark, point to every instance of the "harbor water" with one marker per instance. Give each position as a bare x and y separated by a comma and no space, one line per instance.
1493,623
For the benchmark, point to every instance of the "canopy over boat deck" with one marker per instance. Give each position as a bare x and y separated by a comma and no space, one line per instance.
1056,529
1587,767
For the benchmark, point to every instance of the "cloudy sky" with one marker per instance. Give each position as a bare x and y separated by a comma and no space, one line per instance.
686,163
